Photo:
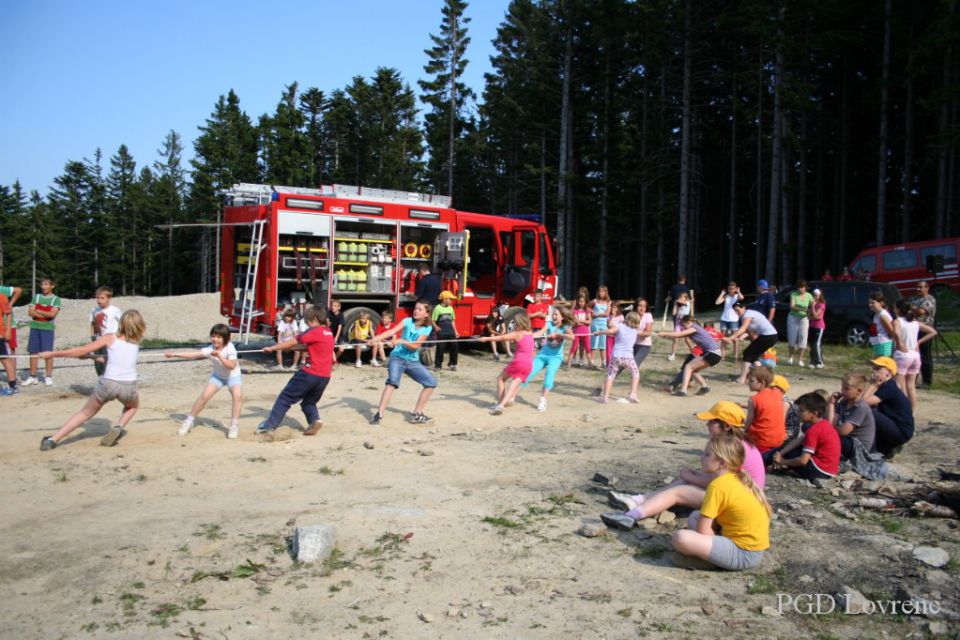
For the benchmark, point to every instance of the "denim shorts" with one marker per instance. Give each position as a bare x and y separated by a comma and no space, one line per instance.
231,382
40,340
396,367
729,325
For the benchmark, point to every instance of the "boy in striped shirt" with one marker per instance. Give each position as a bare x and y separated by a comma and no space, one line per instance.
42,310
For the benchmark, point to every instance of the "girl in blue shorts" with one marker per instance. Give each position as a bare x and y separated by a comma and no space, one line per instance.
405,358
226,372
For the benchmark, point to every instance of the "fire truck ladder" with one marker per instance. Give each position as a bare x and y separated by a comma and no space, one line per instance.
249,295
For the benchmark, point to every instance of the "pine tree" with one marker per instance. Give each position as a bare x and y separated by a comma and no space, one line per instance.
446,95
283,145
120,242
168,193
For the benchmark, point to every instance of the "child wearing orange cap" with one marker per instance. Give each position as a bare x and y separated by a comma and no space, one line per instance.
891,408
690,487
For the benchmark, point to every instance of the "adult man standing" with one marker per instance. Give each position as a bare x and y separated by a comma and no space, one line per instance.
428,288
765,303
926,306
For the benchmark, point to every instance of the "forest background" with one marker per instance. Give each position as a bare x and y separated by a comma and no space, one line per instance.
725,140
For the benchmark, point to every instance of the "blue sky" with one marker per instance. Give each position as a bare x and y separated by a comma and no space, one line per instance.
78,76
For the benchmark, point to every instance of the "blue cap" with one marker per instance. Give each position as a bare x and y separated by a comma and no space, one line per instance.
762,284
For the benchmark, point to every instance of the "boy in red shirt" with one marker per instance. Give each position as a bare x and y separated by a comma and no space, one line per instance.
815,454
6,349
537,312
386,323
307,385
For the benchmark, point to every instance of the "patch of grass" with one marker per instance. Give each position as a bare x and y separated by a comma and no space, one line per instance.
625,613
184,549
564,500
138,585
90,627
164,614
129,602
767,582
200,575
491,622
334,588
257,459
248,569
649,552
141,478
500,521
210,532
96,600
893,525
365,619
335,561
303,617
263,590
195,602
327,471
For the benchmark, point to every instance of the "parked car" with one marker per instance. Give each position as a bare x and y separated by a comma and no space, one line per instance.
904,265
848,318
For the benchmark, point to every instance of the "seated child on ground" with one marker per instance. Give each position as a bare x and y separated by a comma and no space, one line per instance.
815,454
732,528
851,416
688,490
766,419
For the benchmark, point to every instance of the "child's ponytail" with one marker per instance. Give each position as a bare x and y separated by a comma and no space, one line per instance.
748,482
728,448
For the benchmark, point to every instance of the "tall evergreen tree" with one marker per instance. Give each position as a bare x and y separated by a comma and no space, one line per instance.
446,94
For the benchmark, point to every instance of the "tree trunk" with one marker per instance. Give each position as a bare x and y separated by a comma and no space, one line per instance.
732,221
801,240
884,100
563,205
943,157
787,259
758,229
906,183
644,190
683,213
775,158
603,275
452,133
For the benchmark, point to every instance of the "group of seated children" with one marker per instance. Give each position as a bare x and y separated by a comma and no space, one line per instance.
808,437
362,329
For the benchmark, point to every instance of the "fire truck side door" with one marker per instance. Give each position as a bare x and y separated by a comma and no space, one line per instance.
520,264
452,251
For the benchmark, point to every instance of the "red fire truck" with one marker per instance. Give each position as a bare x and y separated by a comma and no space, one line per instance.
289,247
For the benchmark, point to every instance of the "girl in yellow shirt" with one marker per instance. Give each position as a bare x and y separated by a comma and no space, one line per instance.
360,332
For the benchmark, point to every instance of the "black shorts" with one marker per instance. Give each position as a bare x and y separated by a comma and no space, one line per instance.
758,347
710,358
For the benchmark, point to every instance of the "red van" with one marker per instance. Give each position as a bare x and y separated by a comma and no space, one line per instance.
904,265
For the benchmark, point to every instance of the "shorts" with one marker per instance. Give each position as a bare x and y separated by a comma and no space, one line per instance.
5,348
519,369
711,358
729,326
396,367
231,382
40,340
908,362
880,349
758,347
677,326
107,390
725,554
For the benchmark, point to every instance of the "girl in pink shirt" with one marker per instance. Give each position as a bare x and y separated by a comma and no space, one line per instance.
691,486
581,332
515,373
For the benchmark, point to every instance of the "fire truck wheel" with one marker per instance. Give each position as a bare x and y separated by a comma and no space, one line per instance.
351,315
509,315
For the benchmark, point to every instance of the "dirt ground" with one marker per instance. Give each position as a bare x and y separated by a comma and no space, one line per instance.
463,528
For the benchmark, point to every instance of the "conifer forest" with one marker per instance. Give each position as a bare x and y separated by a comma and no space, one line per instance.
724,139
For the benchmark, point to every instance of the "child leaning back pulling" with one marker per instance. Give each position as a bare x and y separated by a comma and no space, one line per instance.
118,382
519,368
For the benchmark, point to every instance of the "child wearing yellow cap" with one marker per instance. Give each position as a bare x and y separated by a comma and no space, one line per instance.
690,487
892,412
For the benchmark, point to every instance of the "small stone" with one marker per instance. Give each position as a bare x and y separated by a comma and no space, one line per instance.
933,556
513,589
846,485
666,517
591,529
835,492
425,452
805,579
770,611
667,480
406,450
852,601
464,613
425,617
938,628
708,608
606,479
313,542
485,605
453,613
368,445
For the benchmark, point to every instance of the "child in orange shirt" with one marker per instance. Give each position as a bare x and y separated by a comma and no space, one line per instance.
6,349
766,419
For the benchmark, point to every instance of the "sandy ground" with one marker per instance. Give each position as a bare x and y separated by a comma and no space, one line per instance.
464,528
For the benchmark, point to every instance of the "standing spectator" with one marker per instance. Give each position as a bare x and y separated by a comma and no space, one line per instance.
827,275
765,303
729,320
43,310
846,276
926,310
12,293
798,322
677,289
429,285
817,326
537,311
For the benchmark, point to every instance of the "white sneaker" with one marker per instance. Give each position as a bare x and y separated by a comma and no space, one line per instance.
800,364
790,361
542,405
820,366
671,357
48,382
184,428
29,381
375,363
359,364
233,432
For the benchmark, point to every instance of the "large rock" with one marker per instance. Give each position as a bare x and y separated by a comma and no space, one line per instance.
313,542
933,556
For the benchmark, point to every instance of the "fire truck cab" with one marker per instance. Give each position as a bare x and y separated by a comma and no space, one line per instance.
291,247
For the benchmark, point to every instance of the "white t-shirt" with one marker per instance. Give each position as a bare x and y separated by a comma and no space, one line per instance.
729,315
122,361
287,330
758,323
880,332
229,352
623,341
105,320
645,321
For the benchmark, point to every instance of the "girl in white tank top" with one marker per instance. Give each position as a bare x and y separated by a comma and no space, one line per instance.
119,380
907,339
